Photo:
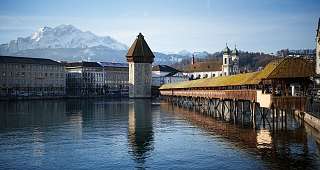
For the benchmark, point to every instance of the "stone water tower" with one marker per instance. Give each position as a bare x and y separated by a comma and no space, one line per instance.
140,59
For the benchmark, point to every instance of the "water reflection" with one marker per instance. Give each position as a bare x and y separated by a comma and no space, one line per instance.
286,148
122,134
264,139
36,113
140,129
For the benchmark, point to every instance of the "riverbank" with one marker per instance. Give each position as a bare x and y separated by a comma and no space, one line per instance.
13,98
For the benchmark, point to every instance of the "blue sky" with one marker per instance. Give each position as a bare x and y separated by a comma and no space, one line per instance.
173,25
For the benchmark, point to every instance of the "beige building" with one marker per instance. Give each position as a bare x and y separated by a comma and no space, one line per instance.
85,79
97,78
140,59
116,76
21,76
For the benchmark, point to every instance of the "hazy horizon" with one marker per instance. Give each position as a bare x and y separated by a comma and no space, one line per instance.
172,26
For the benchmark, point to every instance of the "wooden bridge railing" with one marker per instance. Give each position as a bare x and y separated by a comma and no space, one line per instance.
214,94
292,102
281,102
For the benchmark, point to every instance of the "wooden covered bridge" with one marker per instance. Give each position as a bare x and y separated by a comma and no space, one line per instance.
279,88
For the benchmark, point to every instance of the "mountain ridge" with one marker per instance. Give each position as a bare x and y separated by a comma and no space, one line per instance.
68,43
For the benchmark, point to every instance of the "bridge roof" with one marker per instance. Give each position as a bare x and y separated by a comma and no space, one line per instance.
277,69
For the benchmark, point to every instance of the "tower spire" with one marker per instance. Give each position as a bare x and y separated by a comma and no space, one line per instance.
192,62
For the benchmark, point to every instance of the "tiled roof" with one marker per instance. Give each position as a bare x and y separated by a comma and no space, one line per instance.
83,64
279,68
27,60
207,66
139,51
164,68
110,64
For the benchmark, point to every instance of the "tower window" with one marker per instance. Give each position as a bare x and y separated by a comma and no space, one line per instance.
225,60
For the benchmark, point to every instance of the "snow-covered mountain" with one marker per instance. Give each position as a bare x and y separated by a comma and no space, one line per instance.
63,36
68,43
186,53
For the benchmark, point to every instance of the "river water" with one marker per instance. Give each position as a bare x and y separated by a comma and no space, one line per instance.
129,134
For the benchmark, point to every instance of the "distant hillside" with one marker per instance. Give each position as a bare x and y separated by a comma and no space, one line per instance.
248,61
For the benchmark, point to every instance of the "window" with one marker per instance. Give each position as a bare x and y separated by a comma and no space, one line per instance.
225,60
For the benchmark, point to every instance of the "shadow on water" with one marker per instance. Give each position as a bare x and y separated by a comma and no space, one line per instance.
140,130
291,147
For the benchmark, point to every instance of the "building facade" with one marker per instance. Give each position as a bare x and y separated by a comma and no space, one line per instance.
85,79
163,74
199,70
116,76
140,59
26,77
214,68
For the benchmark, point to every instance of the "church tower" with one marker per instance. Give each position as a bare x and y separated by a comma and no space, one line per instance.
318,49
235,61
227,62
140,59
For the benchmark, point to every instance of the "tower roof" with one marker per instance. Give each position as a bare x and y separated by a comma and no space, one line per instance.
139,52
226,50
235,51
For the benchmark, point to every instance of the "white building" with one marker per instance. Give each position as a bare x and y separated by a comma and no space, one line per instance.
209,69
230,61
199,70
163,74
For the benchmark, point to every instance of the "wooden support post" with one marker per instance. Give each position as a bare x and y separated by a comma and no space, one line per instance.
277,118
281,112
234,110
285,118
223,109
263,117
254,115
273,117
